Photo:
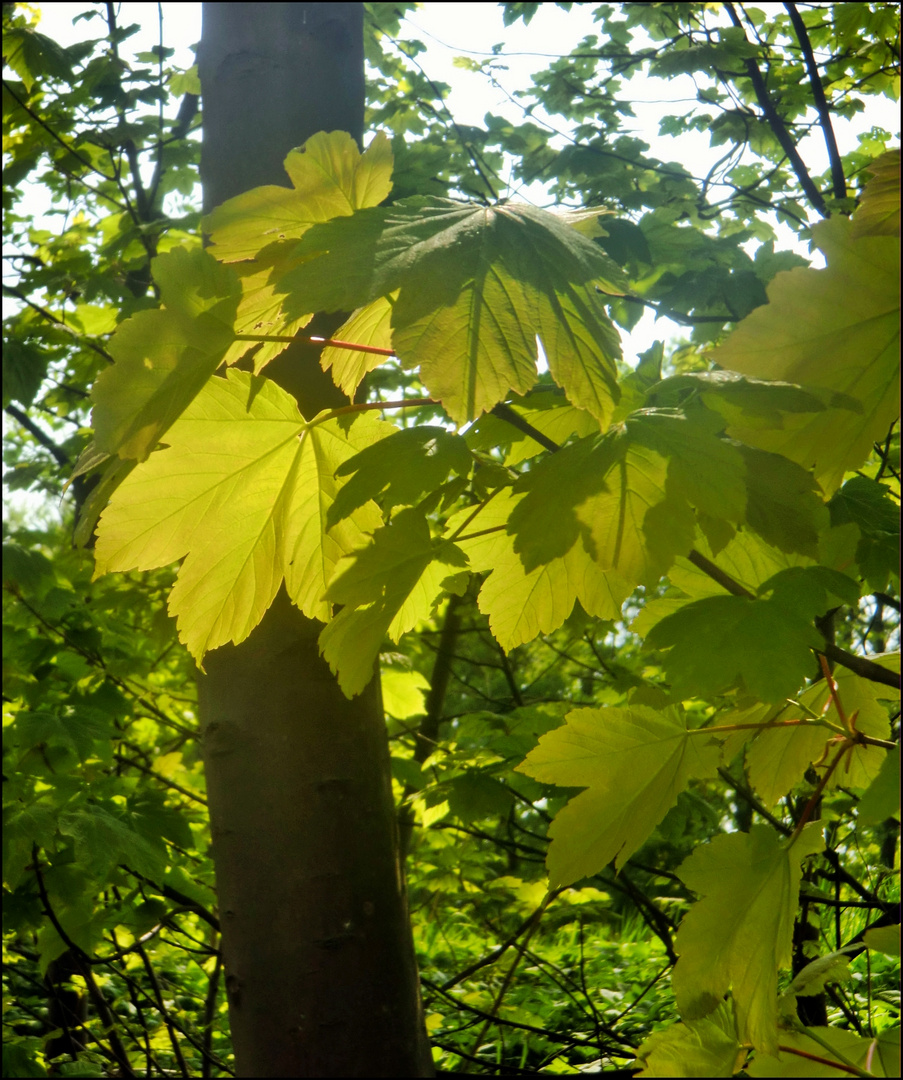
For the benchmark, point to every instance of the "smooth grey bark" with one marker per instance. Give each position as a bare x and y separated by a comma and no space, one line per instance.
321,976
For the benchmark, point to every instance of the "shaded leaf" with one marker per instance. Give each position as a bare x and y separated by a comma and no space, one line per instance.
404,467
387,588
476,286
716,642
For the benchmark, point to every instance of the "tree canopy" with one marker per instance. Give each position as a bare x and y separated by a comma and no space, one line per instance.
637,623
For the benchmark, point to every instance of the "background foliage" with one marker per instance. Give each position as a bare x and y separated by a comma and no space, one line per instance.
545,942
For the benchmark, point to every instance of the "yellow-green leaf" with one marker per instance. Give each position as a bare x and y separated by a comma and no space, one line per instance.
878,213
387,587
164,356
476,286
738,935
634,763
815,322
522,604
706,1047
370,325
330,178
242,489
804,1053
258,230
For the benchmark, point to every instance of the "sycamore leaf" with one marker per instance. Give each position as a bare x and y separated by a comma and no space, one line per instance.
330,178
523,604
814,1046
260,310
706,1047
477,285
868,504
881,799
243,490
815,322
403,692
717,641
778,756
746,558
629,495
878,213
314,543
811,589
740,398
634,762
885,939
739,933
401,470
387,588
783,505
165,355
864,698
834,967
370,325
259,229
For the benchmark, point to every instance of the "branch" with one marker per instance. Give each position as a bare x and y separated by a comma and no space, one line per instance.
778,126
83,961
59,454
505,412
717,574
69,149
12,290
838,180
861,665
669,313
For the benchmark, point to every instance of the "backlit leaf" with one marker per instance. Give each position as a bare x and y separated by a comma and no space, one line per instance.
370,325
634,763
476,286
330,178
258,229
387,588
738,935
818,1045
243,490
164,356
522,604
706,1047
815,321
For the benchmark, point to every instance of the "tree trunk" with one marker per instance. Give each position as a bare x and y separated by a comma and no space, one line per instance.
321,976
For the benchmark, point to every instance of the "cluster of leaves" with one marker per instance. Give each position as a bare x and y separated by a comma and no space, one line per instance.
699,477
739,514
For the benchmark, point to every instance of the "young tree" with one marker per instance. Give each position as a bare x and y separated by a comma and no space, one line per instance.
321,973
734,502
